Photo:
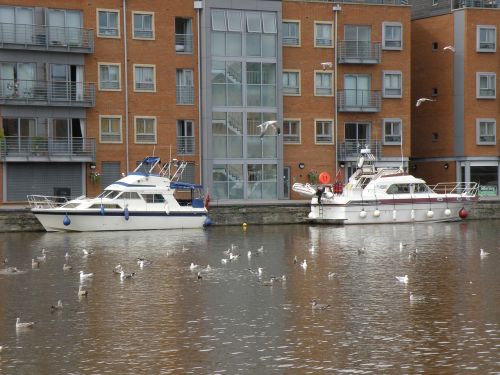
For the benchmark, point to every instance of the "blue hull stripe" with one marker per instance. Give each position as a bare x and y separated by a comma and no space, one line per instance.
120,213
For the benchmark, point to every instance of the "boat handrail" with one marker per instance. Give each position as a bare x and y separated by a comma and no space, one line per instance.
461,188
46,201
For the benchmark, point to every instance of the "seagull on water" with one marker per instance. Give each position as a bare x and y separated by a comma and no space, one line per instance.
400,246
249,254
362,251
260,250
449,48
259,271
416,298
67,255
42,258
402,279
21,325
265,126
35,263
312,249
86,252
57,307
331,275
84,276
304,264
124,275
483,254
295,259
118,268
199,276
224,260
421,100
318,306
193,266
67,267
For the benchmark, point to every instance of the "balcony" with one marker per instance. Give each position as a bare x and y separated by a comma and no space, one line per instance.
42,149
379,2
459,4
46,38
358,52
359,101
183,43
350,148
47,93
185,145
185,94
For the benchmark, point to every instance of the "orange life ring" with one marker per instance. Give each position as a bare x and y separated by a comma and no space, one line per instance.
324,178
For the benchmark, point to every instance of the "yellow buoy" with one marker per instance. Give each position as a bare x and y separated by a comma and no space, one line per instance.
244,224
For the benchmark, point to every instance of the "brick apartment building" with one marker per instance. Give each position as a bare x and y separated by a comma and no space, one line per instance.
86,93
456,63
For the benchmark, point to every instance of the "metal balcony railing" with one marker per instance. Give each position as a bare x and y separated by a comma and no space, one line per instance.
379,2
185,94
185,145
291,90
359,101
458,4
183,43
350,148
290,40
47,148
359,52
51,93
42,37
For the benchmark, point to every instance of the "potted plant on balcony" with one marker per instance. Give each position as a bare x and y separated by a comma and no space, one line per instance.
38,146
313,177
95,177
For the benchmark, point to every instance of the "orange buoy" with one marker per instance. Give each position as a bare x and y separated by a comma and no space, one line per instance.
324,178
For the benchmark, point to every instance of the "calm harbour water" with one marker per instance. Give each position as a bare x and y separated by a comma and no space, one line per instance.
166,321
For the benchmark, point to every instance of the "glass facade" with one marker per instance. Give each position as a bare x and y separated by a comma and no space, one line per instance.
243,86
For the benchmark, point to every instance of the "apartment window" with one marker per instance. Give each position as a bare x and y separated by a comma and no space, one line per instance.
143,25
110,129
392,35
185,137
323,34
183,35
291,131
486,38
185,86
323,83
392,131
145,130
486,131
324,131
486,85
144,78
392,84
291,33
291,82
109,77
108,23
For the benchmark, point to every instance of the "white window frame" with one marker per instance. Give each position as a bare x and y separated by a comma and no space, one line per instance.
330,72
119,65
392,72
297,71
299,42
316,134
155,131
152,14
392,120
315,33
101,117
299,135
117,11
478,89
478,41
154,77
479,121
384,46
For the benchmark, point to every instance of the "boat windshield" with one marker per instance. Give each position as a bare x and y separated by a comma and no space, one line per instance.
421,188
398,189
110,194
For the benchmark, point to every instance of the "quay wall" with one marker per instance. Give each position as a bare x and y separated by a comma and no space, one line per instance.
20,219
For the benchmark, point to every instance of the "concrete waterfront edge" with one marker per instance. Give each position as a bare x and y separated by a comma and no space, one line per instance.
20,219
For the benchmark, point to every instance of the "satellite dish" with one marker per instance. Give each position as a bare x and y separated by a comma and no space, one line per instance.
361,161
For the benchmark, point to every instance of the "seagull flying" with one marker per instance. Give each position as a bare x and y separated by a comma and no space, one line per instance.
421,100
265,126
449,48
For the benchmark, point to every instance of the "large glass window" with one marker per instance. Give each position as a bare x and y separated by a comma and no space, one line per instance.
227,135
261,84
145,130
323,34
144,78
392,131
323,84
486,131
324,131
258,146
109,77
291,83
226,83
262,181
108,23
185,86
227,181
486,38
